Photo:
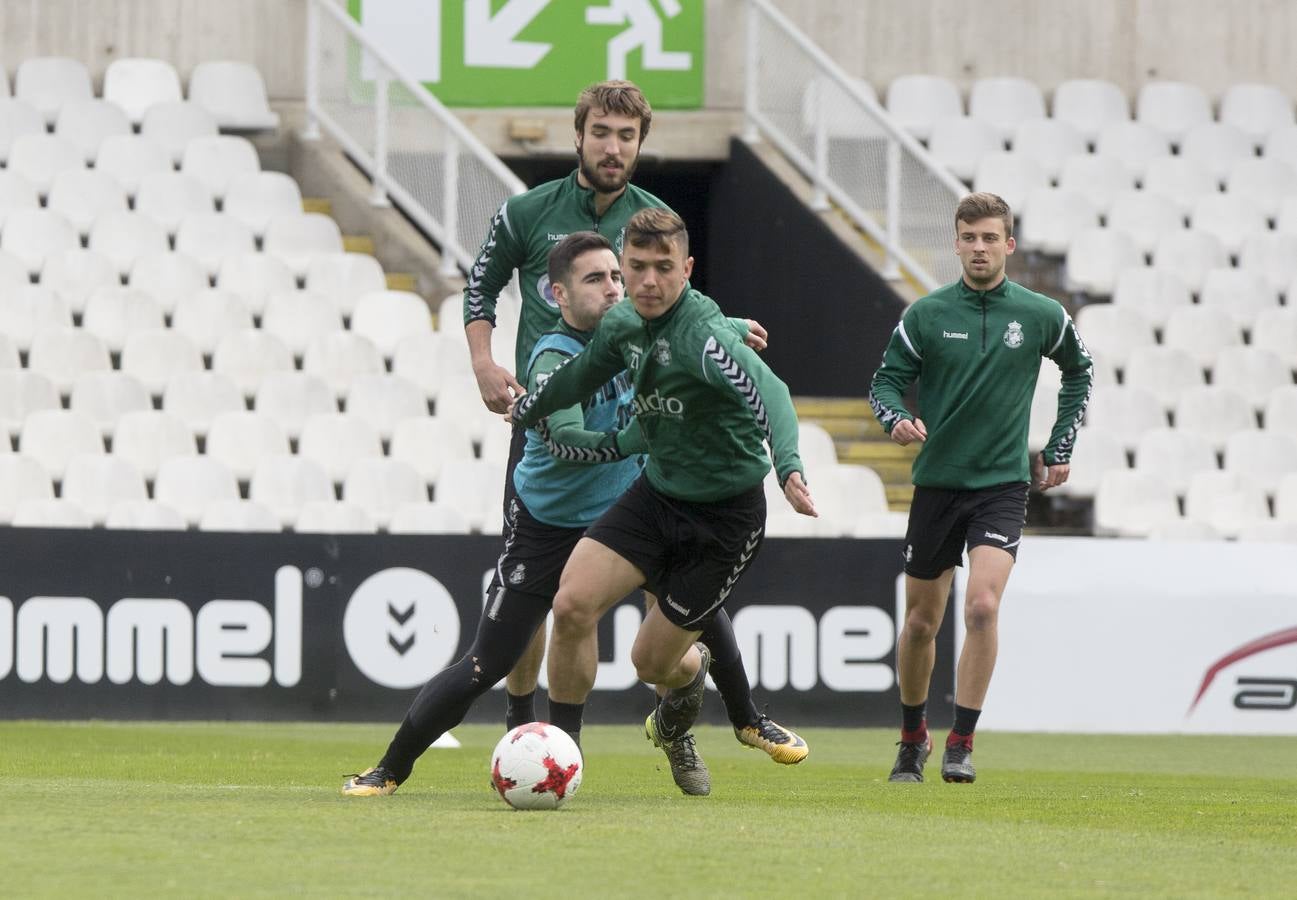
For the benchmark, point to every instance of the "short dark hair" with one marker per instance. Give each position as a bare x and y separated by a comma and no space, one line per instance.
567,250
621,97
657,227
984,205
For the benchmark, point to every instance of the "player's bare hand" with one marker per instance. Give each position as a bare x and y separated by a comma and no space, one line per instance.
1045,477
798,495
906,432
513,403
758,338
498,386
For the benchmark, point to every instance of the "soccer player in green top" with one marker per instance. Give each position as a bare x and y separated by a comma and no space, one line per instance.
612,119
687,529
975,348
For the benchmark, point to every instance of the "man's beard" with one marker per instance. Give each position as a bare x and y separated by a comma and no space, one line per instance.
602,181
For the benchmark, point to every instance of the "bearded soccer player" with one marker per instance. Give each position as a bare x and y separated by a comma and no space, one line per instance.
975,347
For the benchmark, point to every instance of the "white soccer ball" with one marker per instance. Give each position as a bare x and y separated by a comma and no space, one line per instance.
536,766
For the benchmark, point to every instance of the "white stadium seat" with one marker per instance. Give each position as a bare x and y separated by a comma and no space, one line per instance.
1184,530
209,315
28,309
218,160
460,402
16,118
39,157
255,277
9,359
1088,104
1135,144
1266,183
1165,371
1213,411
1049,142
1172,107
146,438
21,478
299,317
1097,451
247,516
1113,332
124,237
234,93
87,122
380,486
1261,458
50,514
129,157
336,440
475,488
1125,412
1282,144
815,445
1275,329
98,482
73,274
154,357
1231,218
1147,217
241,438
1202,332
53,437
334,517
1285,506
1256,109
919,101
1056,216
427,444
427,518
190,483
1280,413
1273,254
144,515
50,82
16,193
116,313
168,276
292,397
247,356
1094,258
1100,178
135,84
1011,175
1190,254
340,357
846,493
1268,531
174,124
1005,102
297,238
1251,371
384,400
496,444
1242,294
386,317
168,197
1216,146
256,198
106,396
285,483
209,237
1131,503
1225,501
1175,455
197,398
344,278
61,354
1182,181
428,359
34,235
21,393
959,143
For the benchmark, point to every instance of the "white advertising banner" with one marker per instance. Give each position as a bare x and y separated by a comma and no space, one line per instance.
1147,637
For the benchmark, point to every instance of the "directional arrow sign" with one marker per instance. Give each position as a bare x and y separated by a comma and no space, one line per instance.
540,52
489,40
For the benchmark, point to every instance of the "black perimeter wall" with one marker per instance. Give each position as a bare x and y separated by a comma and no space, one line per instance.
762,254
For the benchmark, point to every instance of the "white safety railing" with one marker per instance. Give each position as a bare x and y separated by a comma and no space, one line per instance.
830,126
414,150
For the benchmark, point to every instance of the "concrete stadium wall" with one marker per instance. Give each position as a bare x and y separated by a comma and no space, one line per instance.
1125,41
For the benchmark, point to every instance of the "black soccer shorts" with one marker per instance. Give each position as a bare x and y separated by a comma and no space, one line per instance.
942,522
533,556
692,554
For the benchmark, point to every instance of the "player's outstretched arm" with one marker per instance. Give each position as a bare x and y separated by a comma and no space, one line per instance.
900,367
496,383
1073,396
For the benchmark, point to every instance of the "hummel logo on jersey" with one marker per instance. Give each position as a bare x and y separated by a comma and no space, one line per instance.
960,335
997,537
555,237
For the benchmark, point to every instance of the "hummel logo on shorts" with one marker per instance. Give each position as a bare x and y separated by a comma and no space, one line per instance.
998,537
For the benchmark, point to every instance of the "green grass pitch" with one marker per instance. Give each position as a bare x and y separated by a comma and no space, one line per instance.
247,810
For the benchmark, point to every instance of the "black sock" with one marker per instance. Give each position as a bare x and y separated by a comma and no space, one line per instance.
965,721
728,673
568,717
912,717
521,709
